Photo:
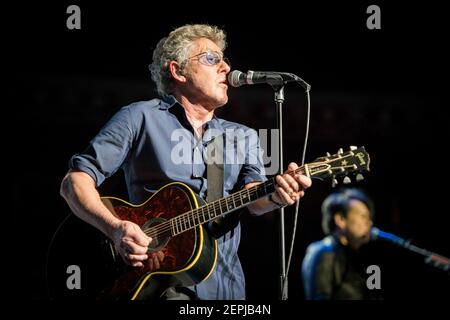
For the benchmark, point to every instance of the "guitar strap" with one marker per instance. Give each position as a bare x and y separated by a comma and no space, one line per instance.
215,178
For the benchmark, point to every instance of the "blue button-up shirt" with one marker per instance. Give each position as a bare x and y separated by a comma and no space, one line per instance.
154,144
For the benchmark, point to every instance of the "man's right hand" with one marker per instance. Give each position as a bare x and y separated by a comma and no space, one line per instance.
131,243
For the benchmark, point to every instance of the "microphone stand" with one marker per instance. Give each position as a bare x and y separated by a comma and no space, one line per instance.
430,258
283,285
277,81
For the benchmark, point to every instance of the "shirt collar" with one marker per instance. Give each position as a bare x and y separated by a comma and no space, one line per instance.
169,101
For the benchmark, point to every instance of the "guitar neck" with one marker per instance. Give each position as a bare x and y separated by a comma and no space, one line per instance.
223,206
354,161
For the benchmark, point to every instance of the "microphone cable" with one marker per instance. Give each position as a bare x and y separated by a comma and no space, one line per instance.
297,204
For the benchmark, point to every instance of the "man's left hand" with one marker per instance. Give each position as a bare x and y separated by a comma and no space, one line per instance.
290,188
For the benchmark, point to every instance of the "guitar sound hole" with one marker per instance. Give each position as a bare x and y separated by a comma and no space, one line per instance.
160,235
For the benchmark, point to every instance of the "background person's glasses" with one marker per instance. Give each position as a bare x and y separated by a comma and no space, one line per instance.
210,58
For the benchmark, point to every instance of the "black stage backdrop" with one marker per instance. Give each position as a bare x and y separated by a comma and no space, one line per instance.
385,89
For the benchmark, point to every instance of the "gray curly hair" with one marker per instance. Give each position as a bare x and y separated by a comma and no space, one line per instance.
176,47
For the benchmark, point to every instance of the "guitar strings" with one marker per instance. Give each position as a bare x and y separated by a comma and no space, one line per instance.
184,222
186,219
183,219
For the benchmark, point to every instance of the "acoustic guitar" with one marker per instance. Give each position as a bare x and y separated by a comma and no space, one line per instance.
83,264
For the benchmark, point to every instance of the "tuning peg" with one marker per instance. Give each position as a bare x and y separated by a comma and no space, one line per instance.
334,183
359,177
353,148
340,151
347,180
328,154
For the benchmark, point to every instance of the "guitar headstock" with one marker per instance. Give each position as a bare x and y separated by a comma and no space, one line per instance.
344,165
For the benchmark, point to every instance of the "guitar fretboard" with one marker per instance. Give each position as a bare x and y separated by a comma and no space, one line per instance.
331,166
223,206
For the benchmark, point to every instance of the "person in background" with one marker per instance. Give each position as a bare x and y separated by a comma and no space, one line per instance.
334,268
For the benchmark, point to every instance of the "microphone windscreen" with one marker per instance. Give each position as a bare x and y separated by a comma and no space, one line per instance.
233,78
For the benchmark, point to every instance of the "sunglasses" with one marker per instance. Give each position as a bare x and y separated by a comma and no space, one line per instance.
210,58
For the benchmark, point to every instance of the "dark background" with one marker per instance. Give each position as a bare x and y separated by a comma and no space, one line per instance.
384,89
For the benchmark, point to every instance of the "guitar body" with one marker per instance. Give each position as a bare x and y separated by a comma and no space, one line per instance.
83,264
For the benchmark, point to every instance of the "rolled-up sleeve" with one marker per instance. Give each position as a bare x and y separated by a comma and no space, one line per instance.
108,150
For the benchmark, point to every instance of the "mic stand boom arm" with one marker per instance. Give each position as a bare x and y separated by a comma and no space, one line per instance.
431,258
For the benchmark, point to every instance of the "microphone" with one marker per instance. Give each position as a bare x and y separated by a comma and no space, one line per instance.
237,78
376,233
